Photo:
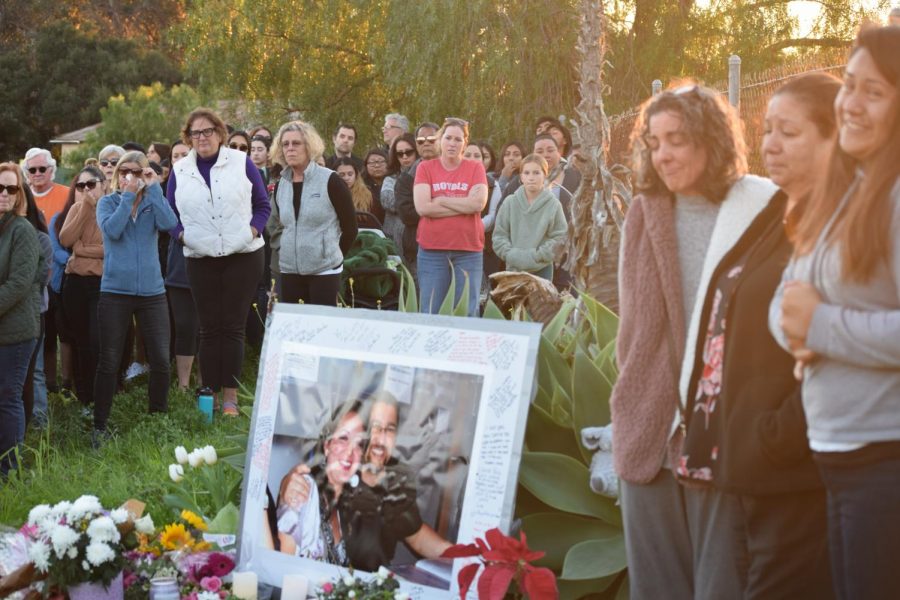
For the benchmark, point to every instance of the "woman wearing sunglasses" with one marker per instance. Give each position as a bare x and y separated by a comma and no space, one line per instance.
401,158
78,231
240,141
108,159
130,219
223,207
20,267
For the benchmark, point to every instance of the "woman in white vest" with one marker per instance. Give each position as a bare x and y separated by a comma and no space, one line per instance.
313,219
222,207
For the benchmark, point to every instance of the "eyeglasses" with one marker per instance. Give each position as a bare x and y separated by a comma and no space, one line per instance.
428,139
135,172
196,133
241,147
376,163
34,170
81,185
12,190
391,126
109,163
405,153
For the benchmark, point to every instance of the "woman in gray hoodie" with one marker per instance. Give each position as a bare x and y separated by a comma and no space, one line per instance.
838,311
530,224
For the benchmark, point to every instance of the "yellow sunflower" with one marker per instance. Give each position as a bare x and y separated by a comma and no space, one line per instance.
176,537
194,520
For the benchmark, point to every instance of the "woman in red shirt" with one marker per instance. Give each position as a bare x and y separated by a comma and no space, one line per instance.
449,194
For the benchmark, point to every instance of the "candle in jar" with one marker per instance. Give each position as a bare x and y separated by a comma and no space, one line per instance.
244,585
294,587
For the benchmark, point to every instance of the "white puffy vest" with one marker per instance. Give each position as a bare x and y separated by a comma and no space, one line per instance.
216,218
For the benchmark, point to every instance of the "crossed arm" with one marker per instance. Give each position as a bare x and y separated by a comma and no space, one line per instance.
445,206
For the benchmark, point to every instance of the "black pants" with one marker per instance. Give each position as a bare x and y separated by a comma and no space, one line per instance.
118,312
187,324
223,289
80,296
311,289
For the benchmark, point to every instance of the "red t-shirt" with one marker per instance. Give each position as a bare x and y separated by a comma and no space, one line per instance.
460,232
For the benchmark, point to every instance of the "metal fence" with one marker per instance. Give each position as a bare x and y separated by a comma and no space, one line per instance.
750,94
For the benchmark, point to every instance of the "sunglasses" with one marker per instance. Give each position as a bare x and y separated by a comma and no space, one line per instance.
134,172
82,185
405,153
241,147
428,139
12,190
196,133
109,163
34,170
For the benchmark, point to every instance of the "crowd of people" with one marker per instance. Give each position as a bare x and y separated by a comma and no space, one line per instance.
756,416
759,364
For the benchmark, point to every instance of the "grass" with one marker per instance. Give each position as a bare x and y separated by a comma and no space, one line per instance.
58,463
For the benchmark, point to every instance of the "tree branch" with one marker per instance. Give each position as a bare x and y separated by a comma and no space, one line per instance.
808,42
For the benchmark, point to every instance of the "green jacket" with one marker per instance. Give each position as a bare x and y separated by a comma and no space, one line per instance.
526,235
20,284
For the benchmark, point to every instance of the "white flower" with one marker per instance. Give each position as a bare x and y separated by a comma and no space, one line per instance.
38,513
209,455
349,580
103,529
382,574
145,525
99,553
195,458
119,515
84,507
351,594
401,596
181,455
207,596
85,565
61,509
62,538
73,552
39,553
176,473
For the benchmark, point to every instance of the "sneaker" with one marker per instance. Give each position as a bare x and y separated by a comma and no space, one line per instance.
99,437
135,369
230,409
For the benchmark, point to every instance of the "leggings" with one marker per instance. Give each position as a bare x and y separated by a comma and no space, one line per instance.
80,296
223,289
187,325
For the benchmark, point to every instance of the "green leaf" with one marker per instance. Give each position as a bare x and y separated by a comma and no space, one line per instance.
561,408
551,361
555,533
181,502
492,311
543,434
590,406
562,482
408,301
592,559
462,307
542,399
226,520
558,323
624,592
606,362
603,321
576,589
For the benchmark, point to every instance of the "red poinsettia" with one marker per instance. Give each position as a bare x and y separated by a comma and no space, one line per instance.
505,560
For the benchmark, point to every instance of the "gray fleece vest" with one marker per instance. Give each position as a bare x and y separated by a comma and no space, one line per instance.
310,243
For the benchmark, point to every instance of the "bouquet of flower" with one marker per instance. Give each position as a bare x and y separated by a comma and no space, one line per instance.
506,564
77,542
349,587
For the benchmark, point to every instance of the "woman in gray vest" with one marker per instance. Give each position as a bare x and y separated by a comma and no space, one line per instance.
313,221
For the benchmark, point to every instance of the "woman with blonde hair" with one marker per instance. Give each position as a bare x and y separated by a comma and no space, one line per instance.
838,312
313,219
130,218
694,201
20,306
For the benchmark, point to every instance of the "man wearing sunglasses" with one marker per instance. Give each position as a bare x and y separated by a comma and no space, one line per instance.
50,197
426,140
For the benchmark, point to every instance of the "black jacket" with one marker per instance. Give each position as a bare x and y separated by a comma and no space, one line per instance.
763,447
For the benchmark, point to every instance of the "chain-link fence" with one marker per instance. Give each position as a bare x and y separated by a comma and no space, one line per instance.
755,91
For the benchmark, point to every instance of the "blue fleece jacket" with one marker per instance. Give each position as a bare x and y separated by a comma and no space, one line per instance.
60,257
131,254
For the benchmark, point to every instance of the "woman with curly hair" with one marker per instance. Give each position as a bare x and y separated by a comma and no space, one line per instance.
694,201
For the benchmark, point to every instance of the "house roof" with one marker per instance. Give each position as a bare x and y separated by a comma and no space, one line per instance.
75,137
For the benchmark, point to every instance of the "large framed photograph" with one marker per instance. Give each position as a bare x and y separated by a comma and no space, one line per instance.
379,439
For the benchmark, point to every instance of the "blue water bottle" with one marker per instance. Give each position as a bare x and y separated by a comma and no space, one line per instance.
205,403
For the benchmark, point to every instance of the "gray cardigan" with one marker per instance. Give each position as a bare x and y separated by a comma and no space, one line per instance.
851,393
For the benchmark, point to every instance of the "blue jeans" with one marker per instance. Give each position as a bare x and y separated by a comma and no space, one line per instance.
863,520
15,359
152,314
39,411
434,268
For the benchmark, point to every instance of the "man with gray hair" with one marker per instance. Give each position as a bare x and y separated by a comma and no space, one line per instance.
395,125
40,168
